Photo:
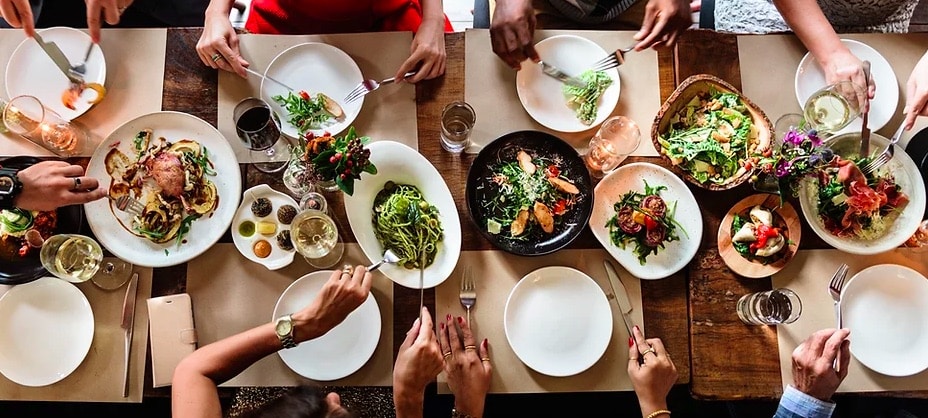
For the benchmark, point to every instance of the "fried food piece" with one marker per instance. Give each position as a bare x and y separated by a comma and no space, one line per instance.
525,162
563,185
517,227
544,217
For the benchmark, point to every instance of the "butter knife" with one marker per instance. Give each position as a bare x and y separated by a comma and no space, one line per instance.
128,323
561,76
621,298
58,57
864,129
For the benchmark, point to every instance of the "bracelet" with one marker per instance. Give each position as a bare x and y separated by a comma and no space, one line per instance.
456,414
658,412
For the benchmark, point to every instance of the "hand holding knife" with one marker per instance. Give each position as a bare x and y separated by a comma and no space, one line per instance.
621,298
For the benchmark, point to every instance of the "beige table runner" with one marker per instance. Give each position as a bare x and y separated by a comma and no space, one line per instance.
497,273
231,294
100,377
490,87
808,275
134,84
390,113
769,62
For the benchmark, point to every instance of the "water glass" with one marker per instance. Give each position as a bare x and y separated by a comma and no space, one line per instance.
315,236
616,139
457,121
258,127
29,118
834,107
773,307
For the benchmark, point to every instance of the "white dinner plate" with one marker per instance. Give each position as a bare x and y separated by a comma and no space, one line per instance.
676,254
403,165
341,351
279,257
810,78
315,68
107,222
46,328
31,72
541,95
885,307
577,321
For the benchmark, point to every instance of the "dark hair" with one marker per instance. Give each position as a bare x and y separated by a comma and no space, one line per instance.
299,402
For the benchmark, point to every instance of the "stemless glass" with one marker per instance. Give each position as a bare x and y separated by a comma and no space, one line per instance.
834,107
259,129
773,307
315,236
457,120
27,117
616,139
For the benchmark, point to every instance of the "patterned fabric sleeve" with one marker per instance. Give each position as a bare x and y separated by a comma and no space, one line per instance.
795,404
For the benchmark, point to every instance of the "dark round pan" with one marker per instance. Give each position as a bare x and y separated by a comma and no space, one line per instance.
918,150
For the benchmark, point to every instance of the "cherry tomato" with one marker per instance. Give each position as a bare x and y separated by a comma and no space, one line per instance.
304,95
553,171
650,223
560,206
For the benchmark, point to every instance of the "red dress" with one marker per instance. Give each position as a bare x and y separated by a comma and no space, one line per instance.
298,17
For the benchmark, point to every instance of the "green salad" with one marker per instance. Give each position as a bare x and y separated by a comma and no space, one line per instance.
710,137
408,225
585,100
305,112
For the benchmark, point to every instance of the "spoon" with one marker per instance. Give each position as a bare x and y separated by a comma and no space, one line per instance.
388,257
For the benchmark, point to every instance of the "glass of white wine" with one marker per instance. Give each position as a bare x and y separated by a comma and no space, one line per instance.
315,236
78,258
834,107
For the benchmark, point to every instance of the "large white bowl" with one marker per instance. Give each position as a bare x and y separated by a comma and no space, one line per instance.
403,165
907,176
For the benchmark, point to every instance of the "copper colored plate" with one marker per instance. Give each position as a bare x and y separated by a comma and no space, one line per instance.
747,268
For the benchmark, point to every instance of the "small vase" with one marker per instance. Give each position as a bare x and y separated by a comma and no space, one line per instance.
327,186
296,178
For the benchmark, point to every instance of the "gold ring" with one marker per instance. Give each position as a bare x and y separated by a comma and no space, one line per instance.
470,347
77,183
122,9
649,350
485,359
446,355
347,269
216,57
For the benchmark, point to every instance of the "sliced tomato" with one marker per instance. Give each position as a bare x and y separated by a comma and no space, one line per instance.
560,206
304,95
650,223
553,171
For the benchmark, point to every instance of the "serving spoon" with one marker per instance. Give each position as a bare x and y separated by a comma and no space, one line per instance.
388,257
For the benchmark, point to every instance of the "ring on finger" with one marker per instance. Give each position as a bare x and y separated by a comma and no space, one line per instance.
470,347
347,269
216,57
485,359
446,355
77,183
649,350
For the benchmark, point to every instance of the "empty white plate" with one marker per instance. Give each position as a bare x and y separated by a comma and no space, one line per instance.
46,328
885,307
810,78
341,351
558,321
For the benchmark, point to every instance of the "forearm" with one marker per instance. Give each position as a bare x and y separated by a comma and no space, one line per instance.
219,7
408,403
649,407
807,21
433,11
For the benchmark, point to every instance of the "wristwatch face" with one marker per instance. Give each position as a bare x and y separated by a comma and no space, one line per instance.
283,326
6,185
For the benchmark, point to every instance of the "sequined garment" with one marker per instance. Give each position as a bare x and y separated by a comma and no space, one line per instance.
847,16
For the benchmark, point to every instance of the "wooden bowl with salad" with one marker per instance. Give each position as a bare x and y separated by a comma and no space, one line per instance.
759,235
708,132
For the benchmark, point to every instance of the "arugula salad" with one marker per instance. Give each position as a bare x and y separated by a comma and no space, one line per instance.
711,137
585,100
307,112
645,221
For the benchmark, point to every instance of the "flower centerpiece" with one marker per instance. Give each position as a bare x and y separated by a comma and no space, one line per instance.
800,153
335,159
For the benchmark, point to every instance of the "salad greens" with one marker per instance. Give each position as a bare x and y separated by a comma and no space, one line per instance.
644,220
852,204
710,137
585,100
305,112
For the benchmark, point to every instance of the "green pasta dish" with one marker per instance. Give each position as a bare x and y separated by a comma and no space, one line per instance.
408,225
585,100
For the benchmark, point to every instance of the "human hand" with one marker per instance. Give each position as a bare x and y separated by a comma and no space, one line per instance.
18,13
110,9
218,45
655,376
664,21
418,362
467,365
813,363
426,53
49,185
512,32
843,65
916,93
342,294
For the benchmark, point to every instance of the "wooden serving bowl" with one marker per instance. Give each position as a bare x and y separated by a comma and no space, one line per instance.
747,268
678,100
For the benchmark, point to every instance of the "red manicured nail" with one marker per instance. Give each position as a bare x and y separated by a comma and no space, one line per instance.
442,326
485,343
631,342
448,317
461,320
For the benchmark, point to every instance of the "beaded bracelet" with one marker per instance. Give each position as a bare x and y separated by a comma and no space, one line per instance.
658,412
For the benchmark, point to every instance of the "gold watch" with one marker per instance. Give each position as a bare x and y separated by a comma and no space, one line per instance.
283,326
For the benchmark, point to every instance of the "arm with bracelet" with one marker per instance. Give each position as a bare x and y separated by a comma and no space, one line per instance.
652,374
46,186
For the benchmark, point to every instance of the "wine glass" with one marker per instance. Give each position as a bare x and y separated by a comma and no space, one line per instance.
616,139
29,118
259,129
832,108
315,236
78,258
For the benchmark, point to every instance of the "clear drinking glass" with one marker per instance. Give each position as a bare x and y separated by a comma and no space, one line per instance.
259,129
616,139
457,120
315,236
26,116
78,258
773,307
834,107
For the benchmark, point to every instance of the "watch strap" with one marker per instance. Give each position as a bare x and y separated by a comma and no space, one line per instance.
7,196
286,340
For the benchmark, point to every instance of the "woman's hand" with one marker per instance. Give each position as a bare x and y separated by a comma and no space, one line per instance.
664,21
916,92
110,9
18,13
218,45
655,376
342,294
418,362
427,52
467,365
49,185
843,65
512,32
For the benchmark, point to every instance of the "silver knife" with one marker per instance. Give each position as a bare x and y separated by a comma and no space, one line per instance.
561,76
58,57
621,298
128,323
864,129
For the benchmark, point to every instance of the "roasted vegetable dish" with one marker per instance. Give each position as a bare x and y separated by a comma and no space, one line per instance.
644,220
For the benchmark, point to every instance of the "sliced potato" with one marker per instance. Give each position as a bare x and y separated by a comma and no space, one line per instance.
116,163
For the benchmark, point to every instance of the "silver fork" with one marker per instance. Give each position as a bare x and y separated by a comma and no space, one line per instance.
612,60
370,85
128,204
468,293
834,287
80,70
884,157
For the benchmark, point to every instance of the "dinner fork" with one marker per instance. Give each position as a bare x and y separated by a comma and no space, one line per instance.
370,85
884,156
468,293
80,70
128,204
834,287
612,60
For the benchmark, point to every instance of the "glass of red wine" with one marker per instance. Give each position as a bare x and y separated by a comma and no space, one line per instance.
259,129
